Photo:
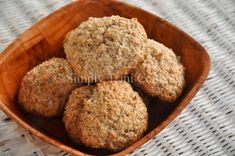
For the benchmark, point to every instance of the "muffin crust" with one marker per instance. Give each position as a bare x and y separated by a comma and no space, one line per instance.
105,48
112,117
44,89
161,74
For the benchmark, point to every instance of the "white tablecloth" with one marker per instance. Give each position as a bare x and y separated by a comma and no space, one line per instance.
205,127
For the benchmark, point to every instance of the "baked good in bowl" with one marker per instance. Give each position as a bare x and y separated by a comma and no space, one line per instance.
45,88
111,115
105,48
161,74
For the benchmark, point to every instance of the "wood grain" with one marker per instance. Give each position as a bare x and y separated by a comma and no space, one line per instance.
44,40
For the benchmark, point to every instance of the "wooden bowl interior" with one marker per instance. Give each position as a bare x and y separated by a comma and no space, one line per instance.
45,40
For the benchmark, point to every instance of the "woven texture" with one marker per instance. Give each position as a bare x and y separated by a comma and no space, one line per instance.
205,127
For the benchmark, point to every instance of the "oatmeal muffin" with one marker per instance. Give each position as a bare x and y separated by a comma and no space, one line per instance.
111,116
105,48
44,89
161,74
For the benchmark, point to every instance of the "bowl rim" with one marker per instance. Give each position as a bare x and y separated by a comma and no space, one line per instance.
185,101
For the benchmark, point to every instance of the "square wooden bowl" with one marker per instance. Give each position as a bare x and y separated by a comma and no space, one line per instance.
45,40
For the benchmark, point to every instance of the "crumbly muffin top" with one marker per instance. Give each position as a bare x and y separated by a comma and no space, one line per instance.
105,48
113,117
162,73
44,89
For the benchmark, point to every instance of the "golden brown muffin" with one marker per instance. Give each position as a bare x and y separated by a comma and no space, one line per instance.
161,74
105,48
44,89
111,116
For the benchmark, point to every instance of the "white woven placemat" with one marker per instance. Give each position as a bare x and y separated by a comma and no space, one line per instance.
205,127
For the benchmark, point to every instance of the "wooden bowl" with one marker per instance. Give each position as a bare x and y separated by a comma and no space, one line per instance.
44,40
